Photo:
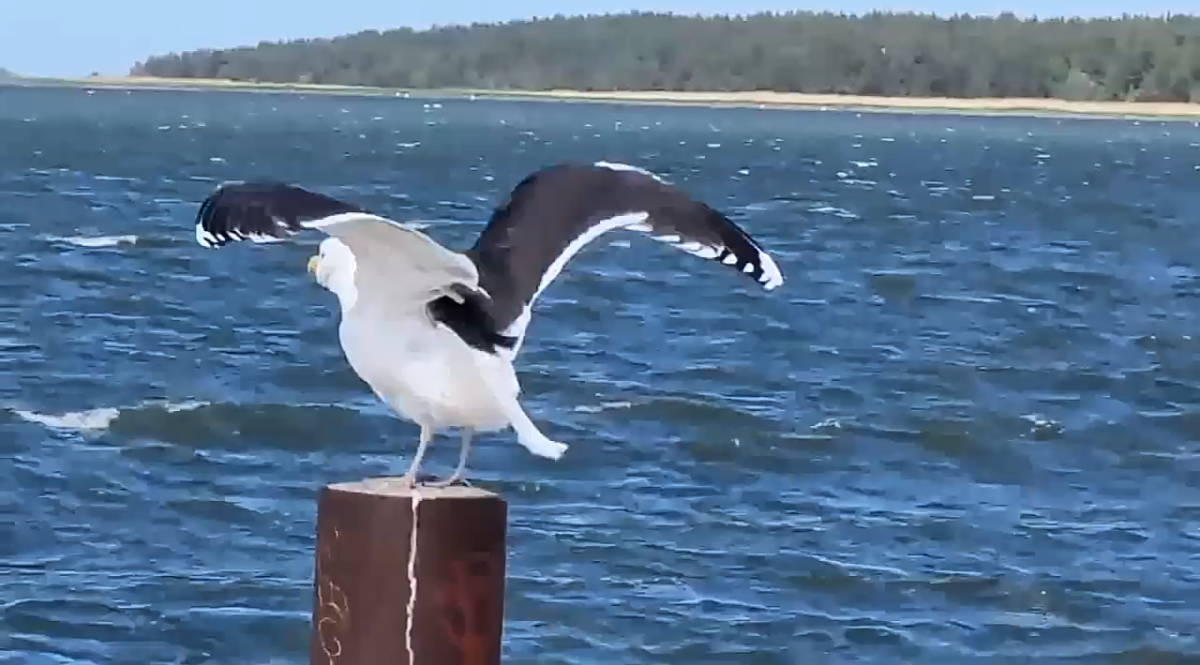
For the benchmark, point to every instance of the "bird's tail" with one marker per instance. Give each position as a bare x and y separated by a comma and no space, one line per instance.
530,436
504,388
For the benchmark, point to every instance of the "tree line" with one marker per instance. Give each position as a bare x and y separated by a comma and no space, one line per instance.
892,54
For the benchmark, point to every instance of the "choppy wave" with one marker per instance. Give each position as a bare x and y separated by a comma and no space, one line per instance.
99,419
964,430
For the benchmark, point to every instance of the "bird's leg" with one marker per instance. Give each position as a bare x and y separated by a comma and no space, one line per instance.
461,470
410,478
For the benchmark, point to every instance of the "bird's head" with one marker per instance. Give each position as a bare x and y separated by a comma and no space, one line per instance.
333,266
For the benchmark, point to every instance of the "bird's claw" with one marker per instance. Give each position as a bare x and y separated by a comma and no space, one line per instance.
448,482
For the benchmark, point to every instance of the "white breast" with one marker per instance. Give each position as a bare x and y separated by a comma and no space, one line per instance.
427,374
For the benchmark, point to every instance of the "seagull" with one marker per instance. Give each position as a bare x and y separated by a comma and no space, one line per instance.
435,332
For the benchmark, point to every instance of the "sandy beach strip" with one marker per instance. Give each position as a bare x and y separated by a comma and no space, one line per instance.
753,99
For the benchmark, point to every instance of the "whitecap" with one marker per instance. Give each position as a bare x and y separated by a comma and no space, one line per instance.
603,406
94,241
92,421
833,210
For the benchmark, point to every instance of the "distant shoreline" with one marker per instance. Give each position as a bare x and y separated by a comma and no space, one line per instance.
748,99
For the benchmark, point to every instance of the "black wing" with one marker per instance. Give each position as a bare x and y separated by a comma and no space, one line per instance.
262,211
554,212
268,210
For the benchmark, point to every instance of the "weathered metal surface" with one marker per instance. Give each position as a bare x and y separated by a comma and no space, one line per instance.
362,583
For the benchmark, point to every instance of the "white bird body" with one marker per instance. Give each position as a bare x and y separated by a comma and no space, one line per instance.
428,376
420,369
435,332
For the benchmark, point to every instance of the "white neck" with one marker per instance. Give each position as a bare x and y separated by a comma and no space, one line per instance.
339,265
341,283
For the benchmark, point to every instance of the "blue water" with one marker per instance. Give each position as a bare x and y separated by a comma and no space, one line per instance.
965,429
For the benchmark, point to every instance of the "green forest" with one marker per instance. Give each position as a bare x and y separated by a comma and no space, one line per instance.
890,54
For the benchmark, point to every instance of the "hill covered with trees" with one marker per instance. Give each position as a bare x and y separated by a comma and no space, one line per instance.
1132,58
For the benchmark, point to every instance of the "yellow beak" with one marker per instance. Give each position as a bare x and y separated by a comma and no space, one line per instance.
312,264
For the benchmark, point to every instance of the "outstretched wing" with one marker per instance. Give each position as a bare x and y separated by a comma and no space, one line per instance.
554,212
262,212
394,266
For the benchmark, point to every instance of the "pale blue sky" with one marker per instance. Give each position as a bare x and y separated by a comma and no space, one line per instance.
75,37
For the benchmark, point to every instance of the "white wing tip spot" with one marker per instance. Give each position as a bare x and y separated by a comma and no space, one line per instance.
208,239
772,277
204,238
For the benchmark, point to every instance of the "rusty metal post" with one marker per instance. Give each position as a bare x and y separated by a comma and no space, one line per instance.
408,576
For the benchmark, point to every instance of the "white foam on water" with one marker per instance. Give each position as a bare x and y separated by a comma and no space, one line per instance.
94,241
1041,422
92,421
827,424
176,407
603,406
833,210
